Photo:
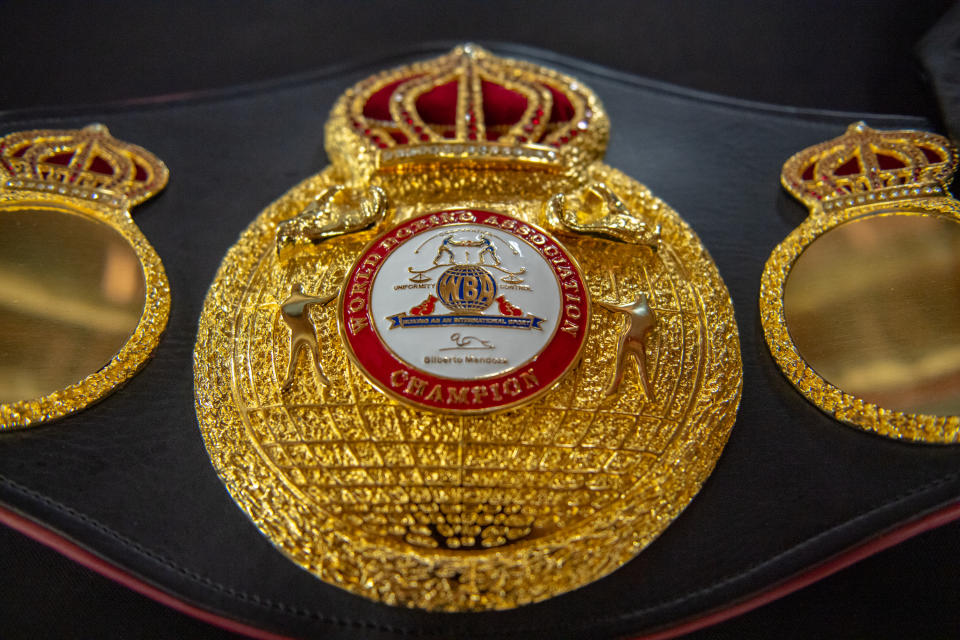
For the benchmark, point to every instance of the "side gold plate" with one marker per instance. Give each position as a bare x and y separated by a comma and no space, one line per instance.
468,366
84,297
859,303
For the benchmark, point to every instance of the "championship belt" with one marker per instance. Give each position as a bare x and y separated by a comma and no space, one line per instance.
467,366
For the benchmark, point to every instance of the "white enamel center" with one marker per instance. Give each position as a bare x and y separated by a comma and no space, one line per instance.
495,301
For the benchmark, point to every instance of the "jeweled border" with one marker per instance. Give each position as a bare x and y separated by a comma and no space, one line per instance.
835,402
141,343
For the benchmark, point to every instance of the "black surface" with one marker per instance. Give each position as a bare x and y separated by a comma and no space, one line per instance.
854,55
170,460
908,591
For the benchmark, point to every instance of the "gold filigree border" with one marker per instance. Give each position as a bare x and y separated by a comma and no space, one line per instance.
138,348
833,401
498,578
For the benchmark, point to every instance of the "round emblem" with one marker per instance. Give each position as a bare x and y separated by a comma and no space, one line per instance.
352,380
464,311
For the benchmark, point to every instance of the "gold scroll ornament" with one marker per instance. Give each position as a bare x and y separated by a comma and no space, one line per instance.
466,208
859,303
83,295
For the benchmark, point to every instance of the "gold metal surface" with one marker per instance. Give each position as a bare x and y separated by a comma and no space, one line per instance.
303,335
423,508
873,308
638,321
859,303
333,212
609,217
71,294
83,295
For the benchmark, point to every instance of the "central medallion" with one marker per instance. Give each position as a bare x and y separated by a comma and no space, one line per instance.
465,311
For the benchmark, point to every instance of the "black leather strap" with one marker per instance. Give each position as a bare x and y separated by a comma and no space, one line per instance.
130,480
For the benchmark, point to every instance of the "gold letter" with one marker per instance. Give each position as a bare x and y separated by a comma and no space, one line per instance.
529,379
570,327
357,324
457,396
415,386
398,377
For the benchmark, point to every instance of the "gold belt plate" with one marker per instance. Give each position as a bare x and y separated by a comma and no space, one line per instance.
467,366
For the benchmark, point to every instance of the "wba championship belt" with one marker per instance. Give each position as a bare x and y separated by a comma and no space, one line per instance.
474,370
467,366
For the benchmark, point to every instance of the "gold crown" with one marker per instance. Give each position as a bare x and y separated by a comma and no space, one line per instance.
865,166
467,107
85,163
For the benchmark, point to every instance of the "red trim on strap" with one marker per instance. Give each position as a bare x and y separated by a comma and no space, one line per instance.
81,556
840,561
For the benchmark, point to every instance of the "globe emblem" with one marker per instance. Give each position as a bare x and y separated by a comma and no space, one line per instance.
467,288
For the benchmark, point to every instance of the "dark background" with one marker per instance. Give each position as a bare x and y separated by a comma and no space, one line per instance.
857,56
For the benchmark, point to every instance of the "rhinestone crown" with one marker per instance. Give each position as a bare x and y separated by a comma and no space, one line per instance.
467,107
86,163
865,165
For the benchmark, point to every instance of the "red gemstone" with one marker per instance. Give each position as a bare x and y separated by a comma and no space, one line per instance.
424,137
